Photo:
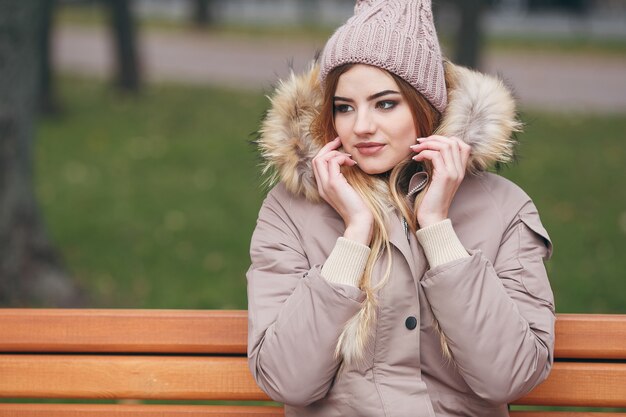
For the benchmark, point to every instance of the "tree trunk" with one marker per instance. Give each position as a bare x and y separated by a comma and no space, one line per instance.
127,63
469,36
201,13
48,100
30,269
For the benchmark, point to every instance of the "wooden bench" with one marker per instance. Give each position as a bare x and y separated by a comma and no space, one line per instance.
175,355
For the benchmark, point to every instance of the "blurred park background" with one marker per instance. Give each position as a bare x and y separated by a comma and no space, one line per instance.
127,174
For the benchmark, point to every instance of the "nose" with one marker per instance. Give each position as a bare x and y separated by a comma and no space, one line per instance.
363,125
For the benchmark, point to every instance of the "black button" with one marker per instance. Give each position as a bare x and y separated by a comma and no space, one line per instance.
410,323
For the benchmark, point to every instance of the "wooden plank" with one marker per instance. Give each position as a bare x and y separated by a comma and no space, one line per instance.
133,377
598,336
107,410
581,385
123,331
115,410
228,378
225,331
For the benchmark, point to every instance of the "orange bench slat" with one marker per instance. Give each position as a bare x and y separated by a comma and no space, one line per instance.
597,336
223,378
114,410
124,331
581,385
134,377
225,331
140,410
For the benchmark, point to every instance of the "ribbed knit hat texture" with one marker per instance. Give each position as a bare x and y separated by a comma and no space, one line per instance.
396,35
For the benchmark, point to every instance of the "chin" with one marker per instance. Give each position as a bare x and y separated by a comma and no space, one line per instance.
373,169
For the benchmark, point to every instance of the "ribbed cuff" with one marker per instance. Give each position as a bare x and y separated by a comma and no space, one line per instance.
346,262
441,243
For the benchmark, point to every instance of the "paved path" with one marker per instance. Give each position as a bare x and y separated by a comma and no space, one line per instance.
561,82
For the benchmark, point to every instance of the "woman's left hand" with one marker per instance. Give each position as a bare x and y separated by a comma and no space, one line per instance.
448,156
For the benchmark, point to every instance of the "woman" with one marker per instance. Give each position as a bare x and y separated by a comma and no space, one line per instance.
391,274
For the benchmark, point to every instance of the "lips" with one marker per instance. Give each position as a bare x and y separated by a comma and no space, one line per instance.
369,148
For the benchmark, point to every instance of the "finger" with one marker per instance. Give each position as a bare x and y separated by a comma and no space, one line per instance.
432,138
334,164
435,160
333,144
463,147
453,142
466,151
456,156
323,161
329,147
327,167
322,158
321,176
334,172
332,154
447,149
434,157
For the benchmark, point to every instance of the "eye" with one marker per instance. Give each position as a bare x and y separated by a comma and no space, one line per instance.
343,108
386,104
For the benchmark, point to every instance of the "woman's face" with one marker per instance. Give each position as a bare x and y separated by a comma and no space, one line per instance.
372,119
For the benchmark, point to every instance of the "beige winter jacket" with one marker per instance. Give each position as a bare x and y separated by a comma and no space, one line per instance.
494,306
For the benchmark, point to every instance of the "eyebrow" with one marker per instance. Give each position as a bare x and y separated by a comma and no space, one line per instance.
372,97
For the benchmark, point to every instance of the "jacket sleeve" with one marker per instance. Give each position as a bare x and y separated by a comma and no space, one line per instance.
295,316
499,319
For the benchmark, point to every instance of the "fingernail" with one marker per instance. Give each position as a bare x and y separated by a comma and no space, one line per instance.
413,146
419,139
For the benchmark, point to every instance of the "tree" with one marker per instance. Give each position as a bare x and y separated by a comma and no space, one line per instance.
127,75
469,35
201,13
123,25
48,101
31,272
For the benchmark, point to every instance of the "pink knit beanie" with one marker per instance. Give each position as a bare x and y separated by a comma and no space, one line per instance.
396,35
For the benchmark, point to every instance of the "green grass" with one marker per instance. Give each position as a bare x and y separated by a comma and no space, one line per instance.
152,200
561,45
573,167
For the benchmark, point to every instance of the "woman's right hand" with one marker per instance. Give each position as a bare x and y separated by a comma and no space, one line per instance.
336,191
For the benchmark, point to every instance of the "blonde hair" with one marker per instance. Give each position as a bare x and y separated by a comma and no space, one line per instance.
381,193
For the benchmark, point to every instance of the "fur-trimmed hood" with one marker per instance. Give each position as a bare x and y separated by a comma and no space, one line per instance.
481,111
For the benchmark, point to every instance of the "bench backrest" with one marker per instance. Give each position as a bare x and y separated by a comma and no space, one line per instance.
179,355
